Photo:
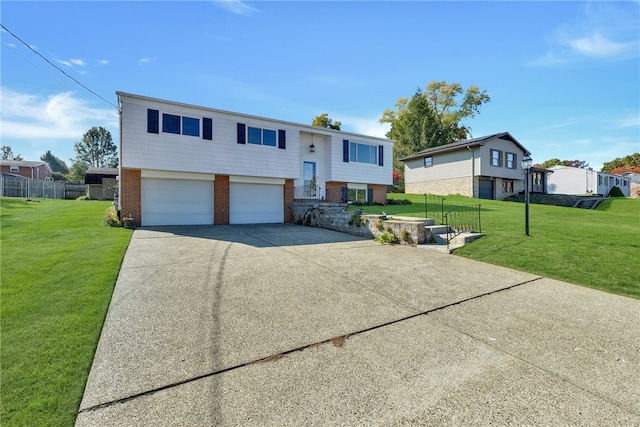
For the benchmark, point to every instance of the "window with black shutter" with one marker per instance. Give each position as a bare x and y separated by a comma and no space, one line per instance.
380,155
344,192
282,139
153,121
345,150
207,128
369,194
241,134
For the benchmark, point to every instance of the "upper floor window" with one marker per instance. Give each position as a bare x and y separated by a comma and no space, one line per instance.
507,186
363,153
260,136
428,161
511,161
496,158
170,123
190,126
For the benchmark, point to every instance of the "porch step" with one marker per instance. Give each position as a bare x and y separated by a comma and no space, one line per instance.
589,203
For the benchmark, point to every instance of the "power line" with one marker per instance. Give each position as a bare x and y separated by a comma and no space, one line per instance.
56,67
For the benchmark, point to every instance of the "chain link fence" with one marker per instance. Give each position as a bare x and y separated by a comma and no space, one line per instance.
17,186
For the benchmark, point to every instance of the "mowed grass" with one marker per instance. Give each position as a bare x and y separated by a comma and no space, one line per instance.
596,248
59,264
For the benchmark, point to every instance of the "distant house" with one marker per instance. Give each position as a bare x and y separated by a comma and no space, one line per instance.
102,183
487,167
29,169
582,182
634,185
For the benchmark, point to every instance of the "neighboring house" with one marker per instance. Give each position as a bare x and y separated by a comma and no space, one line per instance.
35,170
102,182
634,185
488,168
578,181
186,164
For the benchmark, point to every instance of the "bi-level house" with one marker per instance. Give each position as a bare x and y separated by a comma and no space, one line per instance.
579,181
186,164
488,167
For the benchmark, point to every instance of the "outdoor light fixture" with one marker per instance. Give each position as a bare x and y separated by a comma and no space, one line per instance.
312,148
526,165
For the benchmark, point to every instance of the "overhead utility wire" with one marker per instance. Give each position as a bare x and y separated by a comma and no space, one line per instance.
56,67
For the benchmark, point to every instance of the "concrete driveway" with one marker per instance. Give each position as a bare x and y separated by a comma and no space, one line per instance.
274,325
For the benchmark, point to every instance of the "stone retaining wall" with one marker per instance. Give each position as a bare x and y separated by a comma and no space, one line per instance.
335,217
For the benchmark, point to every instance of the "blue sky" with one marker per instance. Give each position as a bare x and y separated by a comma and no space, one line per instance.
564,77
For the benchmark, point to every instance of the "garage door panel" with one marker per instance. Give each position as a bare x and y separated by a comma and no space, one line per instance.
176,202
256,203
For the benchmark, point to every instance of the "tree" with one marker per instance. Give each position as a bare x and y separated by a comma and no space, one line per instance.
323,121
627,161
96,149
7,153
431,118
55,163
624,169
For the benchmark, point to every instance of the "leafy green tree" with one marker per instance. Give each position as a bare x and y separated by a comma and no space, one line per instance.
55,163
77,171
96,149
582,164
6,153
432,118
626,161
323,121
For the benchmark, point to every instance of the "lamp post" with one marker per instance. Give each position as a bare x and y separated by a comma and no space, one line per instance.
526,165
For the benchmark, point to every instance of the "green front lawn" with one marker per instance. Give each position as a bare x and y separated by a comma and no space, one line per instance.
59,265
596,248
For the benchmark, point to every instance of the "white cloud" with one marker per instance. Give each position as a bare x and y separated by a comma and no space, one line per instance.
601,31
236,6
39,122
144,61
597,45
78,62
370,126
103,62
630,121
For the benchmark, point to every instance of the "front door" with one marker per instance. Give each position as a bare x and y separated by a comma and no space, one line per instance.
309,178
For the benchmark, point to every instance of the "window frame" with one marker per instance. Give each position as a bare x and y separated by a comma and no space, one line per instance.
190,126
169,123
510,164
428,163
13,168
492,158
359,152
507,185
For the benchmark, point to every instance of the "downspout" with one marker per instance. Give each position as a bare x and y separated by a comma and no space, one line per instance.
473,169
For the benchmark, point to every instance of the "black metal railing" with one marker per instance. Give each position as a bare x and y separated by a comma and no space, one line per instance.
307,192
462,219
434,207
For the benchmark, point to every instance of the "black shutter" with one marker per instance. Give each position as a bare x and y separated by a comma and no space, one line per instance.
380,155
344,193
207,128
369,195
282,139
242,135
153,121
345,150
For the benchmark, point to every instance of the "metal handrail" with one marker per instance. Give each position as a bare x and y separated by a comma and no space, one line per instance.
462,219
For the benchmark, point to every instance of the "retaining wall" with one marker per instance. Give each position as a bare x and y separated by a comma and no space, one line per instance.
408,231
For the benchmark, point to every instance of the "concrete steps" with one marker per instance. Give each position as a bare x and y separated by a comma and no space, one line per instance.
437,238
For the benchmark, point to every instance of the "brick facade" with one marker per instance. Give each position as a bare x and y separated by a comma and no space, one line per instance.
131,194
334,191
379,193
289,195
221,200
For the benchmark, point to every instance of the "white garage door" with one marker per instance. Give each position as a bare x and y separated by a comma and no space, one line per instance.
256,203
176,202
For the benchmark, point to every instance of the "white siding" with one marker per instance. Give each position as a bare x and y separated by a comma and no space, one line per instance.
224,156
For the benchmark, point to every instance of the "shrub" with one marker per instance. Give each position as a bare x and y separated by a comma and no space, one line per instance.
85,197
111,217
355,220
404,235
616,192
386,238
399,202
379,224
